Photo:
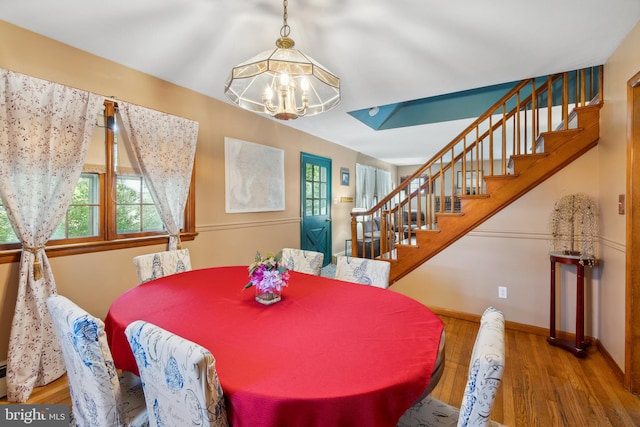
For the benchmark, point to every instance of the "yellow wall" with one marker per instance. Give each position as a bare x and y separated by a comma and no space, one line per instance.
95,280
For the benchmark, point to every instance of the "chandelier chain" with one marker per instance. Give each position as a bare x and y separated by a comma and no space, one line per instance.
285,30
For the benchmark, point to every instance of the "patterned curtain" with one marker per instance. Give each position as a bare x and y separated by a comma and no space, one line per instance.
45,129
164,146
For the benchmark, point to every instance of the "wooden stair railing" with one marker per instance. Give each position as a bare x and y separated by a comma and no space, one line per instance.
533,120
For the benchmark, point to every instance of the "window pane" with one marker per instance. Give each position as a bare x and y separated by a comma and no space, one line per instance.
146,195
82,217
308,210
323,174
86,191
6,231
128,190
80,222
323,207
151,219
136,211
61,231
128,218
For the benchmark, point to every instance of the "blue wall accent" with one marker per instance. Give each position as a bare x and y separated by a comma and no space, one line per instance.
453,106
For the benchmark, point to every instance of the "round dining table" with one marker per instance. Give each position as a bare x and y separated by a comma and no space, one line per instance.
330,353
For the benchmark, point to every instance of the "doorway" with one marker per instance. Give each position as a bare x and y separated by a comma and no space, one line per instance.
632,350
315,205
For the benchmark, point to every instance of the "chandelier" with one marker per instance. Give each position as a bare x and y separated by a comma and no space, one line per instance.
284,82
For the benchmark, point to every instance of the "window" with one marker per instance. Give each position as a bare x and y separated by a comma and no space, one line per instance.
416,184
6,231
83,215
315,180
135,210
111,206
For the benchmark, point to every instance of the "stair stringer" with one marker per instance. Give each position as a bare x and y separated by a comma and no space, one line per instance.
561,148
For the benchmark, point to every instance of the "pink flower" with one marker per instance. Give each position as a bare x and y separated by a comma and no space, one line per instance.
268,273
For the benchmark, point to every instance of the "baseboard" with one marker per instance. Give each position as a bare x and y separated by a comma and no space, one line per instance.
611,363
521,327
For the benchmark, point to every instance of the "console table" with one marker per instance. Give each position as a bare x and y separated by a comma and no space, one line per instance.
579,347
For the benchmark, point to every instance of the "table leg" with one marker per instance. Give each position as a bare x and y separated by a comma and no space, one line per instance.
580,345
552,304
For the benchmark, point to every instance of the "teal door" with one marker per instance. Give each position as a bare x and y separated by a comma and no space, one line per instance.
315,205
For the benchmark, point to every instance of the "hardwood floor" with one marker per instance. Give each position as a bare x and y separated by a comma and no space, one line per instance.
542,385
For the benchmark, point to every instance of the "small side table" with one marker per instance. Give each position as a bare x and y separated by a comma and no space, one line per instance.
579,349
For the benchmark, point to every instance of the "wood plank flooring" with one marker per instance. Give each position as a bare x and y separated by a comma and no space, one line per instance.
542,385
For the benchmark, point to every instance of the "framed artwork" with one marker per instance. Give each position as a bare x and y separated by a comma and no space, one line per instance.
254,177
344,176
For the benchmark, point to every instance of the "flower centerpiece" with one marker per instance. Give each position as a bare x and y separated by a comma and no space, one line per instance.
268,275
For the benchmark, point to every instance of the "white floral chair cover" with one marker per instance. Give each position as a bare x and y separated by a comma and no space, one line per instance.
179,378
485,373
309,262
364,271
99,396
160,264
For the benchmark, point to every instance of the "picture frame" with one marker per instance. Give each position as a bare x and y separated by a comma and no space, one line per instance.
344,176
254,177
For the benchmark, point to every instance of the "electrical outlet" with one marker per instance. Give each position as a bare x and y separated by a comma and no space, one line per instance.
502,292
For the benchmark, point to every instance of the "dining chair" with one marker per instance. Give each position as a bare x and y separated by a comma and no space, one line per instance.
484,376
99,396
160,264
364,271
178,376
303,261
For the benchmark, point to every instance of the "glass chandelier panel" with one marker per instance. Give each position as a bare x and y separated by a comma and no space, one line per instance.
284,82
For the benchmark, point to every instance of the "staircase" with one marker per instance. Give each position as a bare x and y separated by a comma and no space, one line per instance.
536,129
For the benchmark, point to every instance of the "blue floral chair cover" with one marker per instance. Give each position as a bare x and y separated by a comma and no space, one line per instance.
364,271
99,396
309,262
179,378
485,373
159,264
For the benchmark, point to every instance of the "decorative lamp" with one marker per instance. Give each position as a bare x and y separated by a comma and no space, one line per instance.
284,82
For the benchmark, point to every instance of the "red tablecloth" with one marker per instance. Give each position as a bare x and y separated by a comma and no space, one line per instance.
331,353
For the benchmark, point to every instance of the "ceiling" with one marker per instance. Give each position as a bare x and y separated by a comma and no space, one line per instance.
385,52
